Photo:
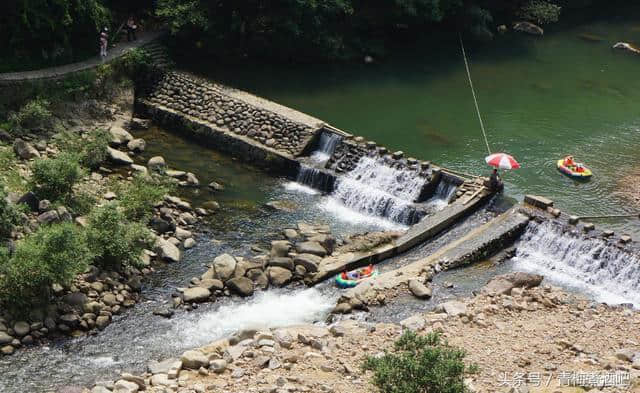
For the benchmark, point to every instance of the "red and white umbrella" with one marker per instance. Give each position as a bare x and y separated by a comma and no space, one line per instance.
502,161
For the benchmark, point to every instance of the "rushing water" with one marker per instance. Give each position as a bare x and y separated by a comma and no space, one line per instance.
601,269
541,98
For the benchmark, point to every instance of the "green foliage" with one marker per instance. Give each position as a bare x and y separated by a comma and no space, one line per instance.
35,114
91,148
81,202
53,178
113,239
9,214
540,11
53,254
35,33
138,197
9,174
419,364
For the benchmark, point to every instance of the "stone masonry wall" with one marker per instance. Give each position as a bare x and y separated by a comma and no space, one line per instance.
203,100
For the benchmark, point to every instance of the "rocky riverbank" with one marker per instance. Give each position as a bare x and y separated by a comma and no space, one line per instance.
505,331
89,303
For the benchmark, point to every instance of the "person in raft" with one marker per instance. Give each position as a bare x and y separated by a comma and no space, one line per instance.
568,161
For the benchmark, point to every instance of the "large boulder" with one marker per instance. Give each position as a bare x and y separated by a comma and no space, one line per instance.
123,386
157,164
528,27
283,262
280,248
311,247
118,157
137,145
279,276
259,278
196,295
5,338
224,265
503,284
194,360
167,251
454,308
119,136
241,285
161,225
309,261
24,149
419,290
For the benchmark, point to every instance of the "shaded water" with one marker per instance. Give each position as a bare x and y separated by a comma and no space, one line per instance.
541,98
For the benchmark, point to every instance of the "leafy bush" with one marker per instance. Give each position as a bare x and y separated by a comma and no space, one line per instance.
81,202
53,178
53,254
140,195
114,240
34,114
9,214
540,11
91,148
419,364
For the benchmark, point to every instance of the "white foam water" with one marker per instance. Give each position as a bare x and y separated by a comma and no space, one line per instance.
297,187
604,271
268,309
442,196
343,213
326,146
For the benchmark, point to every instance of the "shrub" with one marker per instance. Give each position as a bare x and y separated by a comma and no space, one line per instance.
540,11
9,214
34,114
91,148
140,195
114,240
53,178
53,254
419,364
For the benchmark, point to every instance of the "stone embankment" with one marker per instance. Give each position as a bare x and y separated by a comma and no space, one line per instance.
504,331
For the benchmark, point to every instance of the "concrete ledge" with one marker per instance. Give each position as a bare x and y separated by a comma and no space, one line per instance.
476,245
538,201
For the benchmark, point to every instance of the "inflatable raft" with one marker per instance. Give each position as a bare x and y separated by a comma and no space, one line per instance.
354,277
572,171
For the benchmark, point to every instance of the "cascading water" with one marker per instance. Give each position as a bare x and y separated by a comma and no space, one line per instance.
326,146
375,188
315,178
610,274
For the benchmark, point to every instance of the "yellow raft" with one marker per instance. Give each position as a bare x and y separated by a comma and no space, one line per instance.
571,171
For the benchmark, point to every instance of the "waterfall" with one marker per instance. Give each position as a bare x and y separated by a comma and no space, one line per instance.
375,188
610,274
315,178
443,194
326,146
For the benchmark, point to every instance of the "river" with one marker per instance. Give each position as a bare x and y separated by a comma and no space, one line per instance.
541,98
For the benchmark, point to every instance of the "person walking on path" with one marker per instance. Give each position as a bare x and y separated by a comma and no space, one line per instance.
104,39
131,29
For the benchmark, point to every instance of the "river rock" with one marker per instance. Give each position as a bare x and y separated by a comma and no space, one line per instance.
123,386
189,243
454,308
216,186
285,206
419,290
194,360
21,328
279,276
309,261
161,367
163,380
118,157
224,265
280,248
259,278
137,145
196,295
528,27
415,322
119,136
5,338
157,164
167,251
161,225
503,284
102,321
283,262
48,217
218,366
311,247
241,285
25,150
211,284
7,350
183,234
100,389
134,378
290,234
211,205
328,242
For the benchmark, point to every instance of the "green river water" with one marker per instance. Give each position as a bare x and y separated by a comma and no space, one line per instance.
541,98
